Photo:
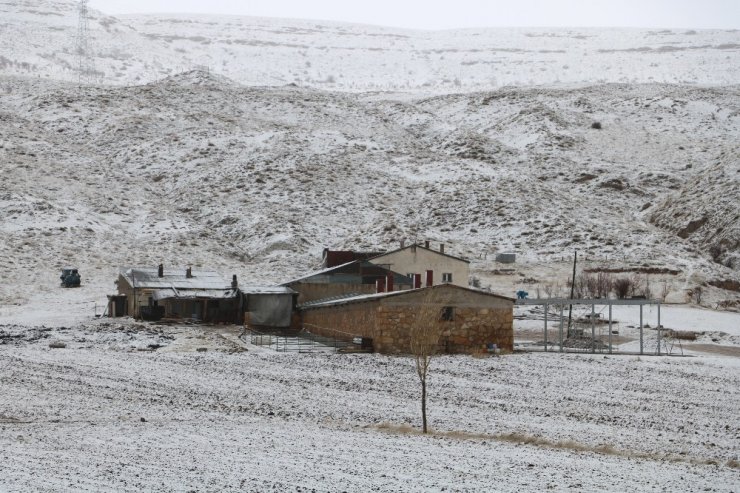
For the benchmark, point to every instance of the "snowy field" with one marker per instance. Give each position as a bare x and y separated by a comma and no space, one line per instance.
105,414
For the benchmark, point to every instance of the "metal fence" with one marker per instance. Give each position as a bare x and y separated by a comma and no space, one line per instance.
302,342
590,333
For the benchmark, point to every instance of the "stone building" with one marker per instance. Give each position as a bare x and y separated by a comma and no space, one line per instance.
467,320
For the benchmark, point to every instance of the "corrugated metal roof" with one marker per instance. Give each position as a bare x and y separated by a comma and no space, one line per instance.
266,290
416,245
318,272
360,268
334,258
355,298
147,278
349,298
194,294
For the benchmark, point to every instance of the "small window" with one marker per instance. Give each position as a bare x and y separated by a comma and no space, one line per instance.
448,313
447,277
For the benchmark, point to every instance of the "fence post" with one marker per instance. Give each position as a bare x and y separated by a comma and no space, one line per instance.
641,345
593,327
561,328
545,327
659,329
610,328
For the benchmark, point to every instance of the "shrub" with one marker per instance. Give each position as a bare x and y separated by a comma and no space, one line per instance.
622,287
696,295
596,125
716,251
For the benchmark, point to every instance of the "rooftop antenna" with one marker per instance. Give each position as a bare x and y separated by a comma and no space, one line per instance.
86,73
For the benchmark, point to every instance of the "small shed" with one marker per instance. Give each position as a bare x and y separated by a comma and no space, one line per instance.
268,306
467,320
506,257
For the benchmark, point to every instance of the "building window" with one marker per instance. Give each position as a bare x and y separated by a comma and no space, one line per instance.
447,277
448,313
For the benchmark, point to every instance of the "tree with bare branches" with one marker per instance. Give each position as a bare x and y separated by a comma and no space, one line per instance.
424,342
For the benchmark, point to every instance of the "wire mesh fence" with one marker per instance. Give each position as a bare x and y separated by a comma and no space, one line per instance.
303,342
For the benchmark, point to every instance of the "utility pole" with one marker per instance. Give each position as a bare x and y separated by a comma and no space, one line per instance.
572,291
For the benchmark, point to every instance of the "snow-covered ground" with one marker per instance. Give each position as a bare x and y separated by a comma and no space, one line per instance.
712,331
105,414
674,317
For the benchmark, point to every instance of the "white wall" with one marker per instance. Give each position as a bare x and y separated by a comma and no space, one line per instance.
418,260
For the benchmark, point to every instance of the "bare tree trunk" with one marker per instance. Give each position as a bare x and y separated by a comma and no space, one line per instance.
424,342
424,405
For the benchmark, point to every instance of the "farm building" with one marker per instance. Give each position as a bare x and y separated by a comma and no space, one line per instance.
434,265
356,277
154,293
467,320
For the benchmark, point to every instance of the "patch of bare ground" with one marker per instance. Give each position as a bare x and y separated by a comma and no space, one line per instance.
554,336
637,270
572,445
715,349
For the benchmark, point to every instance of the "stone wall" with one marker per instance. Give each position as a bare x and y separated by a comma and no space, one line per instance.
358,319
470,330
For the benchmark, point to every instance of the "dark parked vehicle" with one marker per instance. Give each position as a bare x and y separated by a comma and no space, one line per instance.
70,278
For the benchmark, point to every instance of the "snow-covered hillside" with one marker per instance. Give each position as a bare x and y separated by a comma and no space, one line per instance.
197,169
38,39
303,134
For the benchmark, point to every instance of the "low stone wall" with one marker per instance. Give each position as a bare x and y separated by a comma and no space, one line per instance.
356,319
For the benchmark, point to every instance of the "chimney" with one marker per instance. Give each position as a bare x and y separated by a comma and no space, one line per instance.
441,248
426,244
160,270
417,281
389,282
234,282
189,272
380,285
430,278
403,243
